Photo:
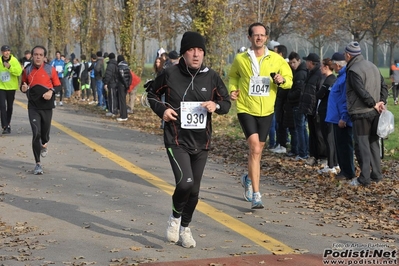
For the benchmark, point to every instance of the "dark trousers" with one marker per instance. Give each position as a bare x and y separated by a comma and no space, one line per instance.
367,149
40,122
6,106
188,169
317,148
282,136
60,89
344,147
122,101
327,132
93,86
112,100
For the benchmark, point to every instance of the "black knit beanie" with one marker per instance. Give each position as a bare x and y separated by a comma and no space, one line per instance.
190,40
111,56
120,58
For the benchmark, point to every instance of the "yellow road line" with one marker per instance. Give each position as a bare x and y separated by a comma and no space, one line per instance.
237,226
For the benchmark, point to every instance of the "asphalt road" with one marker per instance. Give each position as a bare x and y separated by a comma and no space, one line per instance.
105,198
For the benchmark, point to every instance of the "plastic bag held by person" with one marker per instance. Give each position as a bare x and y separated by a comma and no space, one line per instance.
385,124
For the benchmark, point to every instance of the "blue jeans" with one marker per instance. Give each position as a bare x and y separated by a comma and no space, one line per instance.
301,132
100,98
68,86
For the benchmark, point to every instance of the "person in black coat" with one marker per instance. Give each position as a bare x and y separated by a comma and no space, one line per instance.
308,104
294,95
327,132
193,92
110,85
124,80
284,116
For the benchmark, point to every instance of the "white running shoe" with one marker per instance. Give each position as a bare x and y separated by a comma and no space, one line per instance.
187,240
354,182
276,148
257,201
172,232
246,183
328,170
38,170
280,149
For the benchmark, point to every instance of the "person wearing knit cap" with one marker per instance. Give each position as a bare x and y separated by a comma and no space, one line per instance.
190,40
123,82
193,92
110,85
353,48
10,70
254,78
366,99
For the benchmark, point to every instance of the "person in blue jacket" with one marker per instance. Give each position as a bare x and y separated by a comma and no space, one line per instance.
338,116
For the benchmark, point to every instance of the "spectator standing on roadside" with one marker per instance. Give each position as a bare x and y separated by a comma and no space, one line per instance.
38,82
84,78
123,81
308,104
10,70
110,84
26,59
337,115
92,64
67,80
294,96
251,84
366,96
76,78
99,74
59,65
158,66
394,76
326,128
191,90
284,116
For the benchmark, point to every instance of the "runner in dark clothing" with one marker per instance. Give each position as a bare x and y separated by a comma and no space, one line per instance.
192,93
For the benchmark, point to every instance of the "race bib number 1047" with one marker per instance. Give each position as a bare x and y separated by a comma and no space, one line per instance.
193,115
259,86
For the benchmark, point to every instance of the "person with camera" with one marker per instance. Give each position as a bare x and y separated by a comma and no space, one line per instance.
253,80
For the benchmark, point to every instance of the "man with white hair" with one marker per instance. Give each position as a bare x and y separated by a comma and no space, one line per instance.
337,115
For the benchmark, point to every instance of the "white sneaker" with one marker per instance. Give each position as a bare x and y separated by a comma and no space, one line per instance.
354,182
323,163
109,114
61,104
337,168
187,240
121,119
55,103
311,161
280,149
172,232
276,148
328,170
